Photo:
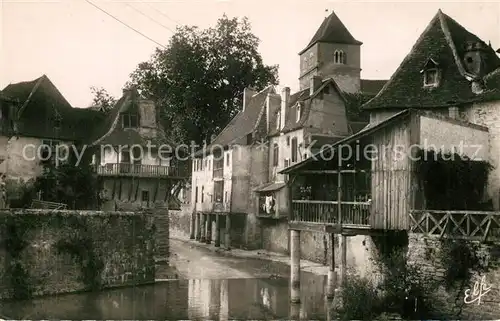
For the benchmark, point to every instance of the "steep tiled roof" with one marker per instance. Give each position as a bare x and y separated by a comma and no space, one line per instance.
372,86
110,131
41,103
332,30
243,123
442,41
291,122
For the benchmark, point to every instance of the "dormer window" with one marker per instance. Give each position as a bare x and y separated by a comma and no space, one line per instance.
431,73
339,57
130,120
299,111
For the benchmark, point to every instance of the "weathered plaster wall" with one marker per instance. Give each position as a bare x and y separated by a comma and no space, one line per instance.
424,252
121,246
488,114
21,159
448,136
239,188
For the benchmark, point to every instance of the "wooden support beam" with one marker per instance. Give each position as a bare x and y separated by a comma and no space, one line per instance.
325,171
114,188
157,188
131,189
120,190
136,191
339,197
487,230
167,194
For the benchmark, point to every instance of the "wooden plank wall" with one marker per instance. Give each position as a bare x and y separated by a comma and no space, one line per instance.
391,177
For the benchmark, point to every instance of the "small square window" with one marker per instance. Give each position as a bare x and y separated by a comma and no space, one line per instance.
431,77
145,196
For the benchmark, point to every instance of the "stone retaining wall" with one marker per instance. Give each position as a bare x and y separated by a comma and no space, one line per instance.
47,252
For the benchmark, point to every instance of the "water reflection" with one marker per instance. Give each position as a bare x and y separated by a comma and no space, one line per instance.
184,299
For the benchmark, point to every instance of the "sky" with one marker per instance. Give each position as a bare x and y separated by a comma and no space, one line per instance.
77,46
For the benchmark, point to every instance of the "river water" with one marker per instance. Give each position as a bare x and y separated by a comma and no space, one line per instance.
219,299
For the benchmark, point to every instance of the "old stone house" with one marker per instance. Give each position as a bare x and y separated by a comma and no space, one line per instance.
236,176
136,162
451,72
36,118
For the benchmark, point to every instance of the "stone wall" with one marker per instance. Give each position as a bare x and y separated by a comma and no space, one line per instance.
46,252
424,252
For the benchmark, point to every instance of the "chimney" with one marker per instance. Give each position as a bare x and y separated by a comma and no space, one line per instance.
285,99
247,95
316,82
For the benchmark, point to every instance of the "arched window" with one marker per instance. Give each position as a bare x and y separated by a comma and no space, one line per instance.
339,57
275,154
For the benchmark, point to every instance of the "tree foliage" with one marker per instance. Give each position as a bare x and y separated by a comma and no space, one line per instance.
76,185
199,78
102,98
354,101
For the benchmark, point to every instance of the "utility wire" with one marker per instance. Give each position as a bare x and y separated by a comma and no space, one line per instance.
126,25
163,14
145,15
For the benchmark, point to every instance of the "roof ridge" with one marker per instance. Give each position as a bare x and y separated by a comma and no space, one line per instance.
33,90
406,58
114,123
449,40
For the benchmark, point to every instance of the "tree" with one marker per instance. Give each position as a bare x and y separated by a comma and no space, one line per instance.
102,98
199,78
354,101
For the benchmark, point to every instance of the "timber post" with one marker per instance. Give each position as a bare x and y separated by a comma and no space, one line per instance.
198,227
208,238
343,259
217,231
332,277
295,266
228,231
192,231
203,227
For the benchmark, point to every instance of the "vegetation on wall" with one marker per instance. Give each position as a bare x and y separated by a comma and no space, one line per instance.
14,241
76,186
451,181
403,289
80,247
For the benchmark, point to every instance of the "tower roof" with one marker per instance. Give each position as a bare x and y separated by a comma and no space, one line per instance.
332,30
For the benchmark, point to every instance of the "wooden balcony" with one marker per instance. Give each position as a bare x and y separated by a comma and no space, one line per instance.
469,225
213,207
325,214
139,170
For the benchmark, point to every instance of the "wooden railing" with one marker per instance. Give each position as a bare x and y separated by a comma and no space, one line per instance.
470,225
326,212
213,207
123,169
